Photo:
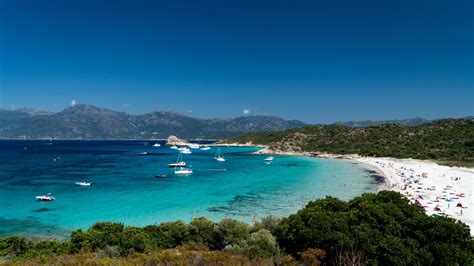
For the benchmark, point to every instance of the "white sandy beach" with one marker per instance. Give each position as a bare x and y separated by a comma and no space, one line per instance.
438,189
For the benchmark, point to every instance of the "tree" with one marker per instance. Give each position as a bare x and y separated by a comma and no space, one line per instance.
201,230
230,232
262,244
168,235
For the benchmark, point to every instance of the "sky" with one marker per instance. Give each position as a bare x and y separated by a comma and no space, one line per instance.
317,61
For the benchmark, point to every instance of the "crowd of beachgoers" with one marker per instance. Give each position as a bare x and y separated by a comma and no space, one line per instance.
440,190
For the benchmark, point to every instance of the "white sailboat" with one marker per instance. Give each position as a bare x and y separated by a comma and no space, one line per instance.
179,162
218,157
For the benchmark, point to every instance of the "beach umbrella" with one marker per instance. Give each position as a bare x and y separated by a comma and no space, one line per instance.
459,205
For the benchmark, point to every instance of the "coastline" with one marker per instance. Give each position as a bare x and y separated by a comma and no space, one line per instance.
439,189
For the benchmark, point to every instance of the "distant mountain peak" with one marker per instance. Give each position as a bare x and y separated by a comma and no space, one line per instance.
82,121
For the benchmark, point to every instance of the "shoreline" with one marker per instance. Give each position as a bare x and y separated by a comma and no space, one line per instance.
437,188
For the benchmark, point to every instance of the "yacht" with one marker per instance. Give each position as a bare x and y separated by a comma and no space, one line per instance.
205,148
179,162
157,145
218,157
174,147
183,171
184,150
47,197
84,184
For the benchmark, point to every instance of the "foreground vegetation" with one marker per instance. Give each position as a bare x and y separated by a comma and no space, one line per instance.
450,140
373,229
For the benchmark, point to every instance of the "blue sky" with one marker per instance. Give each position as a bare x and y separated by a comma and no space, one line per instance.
317,61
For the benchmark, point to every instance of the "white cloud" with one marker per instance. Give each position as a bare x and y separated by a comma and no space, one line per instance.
73,102
246,111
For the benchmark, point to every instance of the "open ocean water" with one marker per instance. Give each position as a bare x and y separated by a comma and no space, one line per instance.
125,188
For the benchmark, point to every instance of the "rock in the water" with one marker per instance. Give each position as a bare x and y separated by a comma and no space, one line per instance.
173,140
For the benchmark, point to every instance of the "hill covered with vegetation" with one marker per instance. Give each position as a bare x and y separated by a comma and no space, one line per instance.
449,139
373,229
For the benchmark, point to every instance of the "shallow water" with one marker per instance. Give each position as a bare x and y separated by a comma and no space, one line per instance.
125,188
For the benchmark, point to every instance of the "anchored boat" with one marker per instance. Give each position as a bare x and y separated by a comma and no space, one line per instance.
47,197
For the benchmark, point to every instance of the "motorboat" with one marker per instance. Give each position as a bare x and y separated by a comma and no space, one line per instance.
157,145
174,147
269,159
47,197
218,156
205,148
184,150
161,176
83,183
183,171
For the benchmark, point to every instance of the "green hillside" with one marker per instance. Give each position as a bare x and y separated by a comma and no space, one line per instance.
450,139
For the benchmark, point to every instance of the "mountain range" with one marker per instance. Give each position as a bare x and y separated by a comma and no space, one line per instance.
83,121
90,122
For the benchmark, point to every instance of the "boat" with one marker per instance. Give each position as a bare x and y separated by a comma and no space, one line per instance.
161,176
218,157
269,159
184,150
47,197
83,183
157,145
174,147
183,171
205,148
193,146
179,162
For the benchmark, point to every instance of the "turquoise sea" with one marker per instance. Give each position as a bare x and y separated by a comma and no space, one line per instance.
125,188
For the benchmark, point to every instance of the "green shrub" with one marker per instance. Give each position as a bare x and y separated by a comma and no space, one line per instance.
230,232
384,227
201,230
168,235
262,244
